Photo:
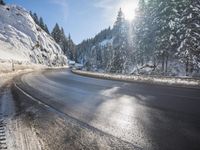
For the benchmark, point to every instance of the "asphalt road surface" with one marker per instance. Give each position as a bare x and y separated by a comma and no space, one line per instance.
148,116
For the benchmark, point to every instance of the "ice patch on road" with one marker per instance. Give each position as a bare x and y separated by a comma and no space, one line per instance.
110,92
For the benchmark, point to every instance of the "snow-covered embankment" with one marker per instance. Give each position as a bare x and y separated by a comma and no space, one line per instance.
23,42
174,81
24,45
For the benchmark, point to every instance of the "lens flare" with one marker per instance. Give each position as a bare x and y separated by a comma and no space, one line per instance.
129,7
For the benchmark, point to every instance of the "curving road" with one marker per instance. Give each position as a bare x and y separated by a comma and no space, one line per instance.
148,116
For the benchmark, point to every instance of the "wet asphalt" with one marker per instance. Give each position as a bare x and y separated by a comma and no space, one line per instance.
146,115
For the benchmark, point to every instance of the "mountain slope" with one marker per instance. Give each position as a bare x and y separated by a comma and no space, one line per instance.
22,40
109,50
163,39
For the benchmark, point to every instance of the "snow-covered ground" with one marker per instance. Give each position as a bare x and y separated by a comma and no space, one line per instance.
185,82
7,74
15,133
22,40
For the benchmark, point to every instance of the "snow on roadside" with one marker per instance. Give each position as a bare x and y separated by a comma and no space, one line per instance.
185,82
7,74
21,136
15,133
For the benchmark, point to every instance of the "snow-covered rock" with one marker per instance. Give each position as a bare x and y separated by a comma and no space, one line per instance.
22,40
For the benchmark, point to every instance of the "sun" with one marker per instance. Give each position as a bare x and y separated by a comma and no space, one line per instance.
128,8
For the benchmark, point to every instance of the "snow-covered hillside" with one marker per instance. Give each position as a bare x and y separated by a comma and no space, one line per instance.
163,39
22,40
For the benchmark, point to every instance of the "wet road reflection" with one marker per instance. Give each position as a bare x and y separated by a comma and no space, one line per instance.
149,116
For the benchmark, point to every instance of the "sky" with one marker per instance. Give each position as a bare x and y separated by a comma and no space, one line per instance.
83,19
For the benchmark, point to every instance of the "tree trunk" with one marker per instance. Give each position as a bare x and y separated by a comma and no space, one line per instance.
166,64
163,63
187,67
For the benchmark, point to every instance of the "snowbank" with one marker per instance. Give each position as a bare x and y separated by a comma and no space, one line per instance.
21,39
7,73
183,82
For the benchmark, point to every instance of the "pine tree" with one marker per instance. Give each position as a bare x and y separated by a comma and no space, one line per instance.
35,18
117,62
31,14
189,49
120,44
141,28
164,32
119,26
2,2
46,29
56,33
165,22
41,23
63,42
72,48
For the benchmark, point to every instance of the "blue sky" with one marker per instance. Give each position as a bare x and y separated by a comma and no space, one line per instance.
81,18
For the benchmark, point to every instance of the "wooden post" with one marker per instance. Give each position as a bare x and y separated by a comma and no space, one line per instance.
13,66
